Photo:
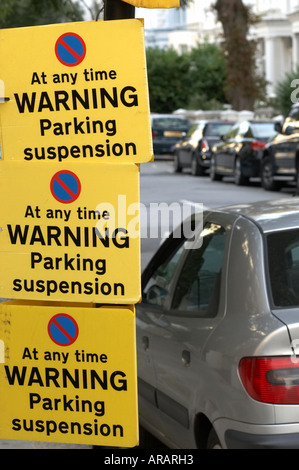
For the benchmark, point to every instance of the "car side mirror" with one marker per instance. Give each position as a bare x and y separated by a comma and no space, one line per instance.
155,295
289,130
223,138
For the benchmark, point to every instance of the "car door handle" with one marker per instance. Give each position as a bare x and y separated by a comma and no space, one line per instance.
145,342
186,357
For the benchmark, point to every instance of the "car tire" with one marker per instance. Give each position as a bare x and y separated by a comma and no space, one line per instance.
213,174
297,178
239,177
213,440
176,164
267,175
147,440
196,168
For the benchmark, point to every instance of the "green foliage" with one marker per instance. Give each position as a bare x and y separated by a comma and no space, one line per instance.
284,90
207,77
193,80
17,13
167,79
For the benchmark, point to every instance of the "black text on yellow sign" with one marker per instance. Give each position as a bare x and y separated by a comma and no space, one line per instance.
70,234
68,374
82,94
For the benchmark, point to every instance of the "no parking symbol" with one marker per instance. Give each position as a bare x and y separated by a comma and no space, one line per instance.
70,49
65,186
63,329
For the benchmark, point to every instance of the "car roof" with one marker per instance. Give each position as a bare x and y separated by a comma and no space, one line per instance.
157,115
215,121
256,121
270,215
261,121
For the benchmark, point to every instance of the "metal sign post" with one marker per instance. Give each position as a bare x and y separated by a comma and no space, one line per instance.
118,10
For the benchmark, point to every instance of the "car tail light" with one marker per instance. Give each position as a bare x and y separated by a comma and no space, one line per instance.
204,146
271,379
154,134
256,145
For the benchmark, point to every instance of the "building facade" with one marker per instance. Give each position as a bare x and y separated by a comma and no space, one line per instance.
277,32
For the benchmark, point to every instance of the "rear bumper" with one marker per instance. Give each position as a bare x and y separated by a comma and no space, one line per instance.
164,146
241,440
206,161
240,435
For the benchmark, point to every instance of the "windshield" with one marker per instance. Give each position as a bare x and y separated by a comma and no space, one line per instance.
283,265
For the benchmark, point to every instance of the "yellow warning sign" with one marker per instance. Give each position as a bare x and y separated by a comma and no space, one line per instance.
154,3
68,374
82,94
70,234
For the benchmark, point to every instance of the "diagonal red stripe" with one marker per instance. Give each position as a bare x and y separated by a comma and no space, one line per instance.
69,49
63,331
65,187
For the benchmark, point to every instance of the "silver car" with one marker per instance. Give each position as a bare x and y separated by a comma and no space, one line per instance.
218,332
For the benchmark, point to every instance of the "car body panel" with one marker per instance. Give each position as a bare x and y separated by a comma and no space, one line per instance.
283,149
282,152
167,130
193,360
242,142
191,147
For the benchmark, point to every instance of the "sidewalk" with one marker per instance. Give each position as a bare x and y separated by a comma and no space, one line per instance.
11,444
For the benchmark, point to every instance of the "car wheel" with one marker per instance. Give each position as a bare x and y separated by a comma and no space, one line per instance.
239,178
196,168
176,164
213,440
213,174
267,175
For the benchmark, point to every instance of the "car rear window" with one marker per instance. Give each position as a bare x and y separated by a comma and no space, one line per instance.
283,266
217,129
170,123
263,130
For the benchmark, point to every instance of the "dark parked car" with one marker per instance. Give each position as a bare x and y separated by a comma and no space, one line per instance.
241,150
218,332
281,156
167,130
194,151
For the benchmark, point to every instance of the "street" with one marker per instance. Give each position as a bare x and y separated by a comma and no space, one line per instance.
159,184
